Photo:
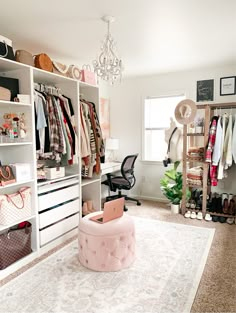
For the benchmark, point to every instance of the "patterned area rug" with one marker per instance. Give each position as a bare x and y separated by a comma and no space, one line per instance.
164,278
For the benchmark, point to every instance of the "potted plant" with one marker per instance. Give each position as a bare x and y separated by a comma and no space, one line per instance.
171,187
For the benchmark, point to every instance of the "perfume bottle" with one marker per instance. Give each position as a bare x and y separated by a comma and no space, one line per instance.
15,129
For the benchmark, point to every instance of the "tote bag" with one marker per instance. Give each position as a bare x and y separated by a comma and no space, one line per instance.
16,206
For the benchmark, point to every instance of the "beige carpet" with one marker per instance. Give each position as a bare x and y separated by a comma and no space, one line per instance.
217,289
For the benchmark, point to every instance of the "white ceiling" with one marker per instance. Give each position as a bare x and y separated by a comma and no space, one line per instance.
153,36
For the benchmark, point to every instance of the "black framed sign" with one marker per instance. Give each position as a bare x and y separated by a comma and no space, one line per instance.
205,90
227,86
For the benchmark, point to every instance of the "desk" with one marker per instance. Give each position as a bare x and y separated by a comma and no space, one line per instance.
110,167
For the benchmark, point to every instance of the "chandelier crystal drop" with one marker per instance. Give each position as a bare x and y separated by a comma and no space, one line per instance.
108,66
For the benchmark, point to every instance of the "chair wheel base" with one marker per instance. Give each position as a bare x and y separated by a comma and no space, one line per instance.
138,203
125,209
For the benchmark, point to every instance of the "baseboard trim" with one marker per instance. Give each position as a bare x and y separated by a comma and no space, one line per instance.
163,200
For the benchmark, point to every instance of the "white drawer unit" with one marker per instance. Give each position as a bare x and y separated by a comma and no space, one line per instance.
50,233
55,214
57,196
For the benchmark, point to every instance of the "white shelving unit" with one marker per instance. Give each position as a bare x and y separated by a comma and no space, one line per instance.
56,204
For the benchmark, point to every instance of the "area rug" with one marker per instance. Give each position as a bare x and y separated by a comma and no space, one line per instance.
164,278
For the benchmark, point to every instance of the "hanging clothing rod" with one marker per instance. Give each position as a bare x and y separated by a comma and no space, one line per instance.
47,88
228,105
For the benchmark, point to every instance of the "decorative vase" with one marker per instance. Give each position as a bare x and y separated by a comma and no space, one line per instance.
174,208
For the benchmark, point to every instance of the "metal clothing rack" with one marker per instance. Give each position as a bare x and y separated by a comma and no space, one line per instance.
52,90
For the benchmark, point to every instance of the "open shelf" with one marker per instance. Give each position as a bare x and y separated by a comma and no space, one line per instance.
8,144
12,104
3,227
23,182
195,134
88,181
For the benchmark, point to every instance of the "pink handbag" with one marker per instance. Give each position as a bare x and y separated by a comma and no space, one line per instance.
87,75
16,206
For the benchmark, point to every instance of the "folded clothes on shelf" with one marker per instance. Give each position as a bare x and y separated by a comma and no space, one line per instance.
194,175
196,152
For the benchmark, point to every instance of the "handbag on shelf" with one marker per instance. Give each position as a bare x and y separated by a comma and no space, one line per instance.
11,84
5,94
74,72
6,175
25,57
6,50
15,243
87,75
16,206
59,68
71,71
43,62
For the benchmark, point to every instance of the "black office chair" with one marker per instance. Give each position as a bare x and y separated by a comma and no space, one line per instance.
126,181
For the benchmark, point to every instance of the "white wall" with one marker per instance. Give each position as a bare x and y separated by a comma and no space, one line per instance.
126,118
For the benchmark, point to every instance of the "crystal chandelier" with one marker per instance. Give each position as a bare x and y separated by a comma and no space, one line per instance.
108,66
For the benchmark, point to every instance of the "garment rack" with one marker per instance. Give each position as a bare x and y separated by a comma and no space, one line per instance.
208,113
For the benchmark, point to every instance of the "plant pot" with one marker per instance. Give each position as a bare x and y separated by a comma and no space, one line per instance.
199,129
174,208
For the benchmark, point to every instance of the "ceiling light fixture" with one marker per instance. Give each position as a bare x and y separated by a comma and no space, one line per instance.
108,66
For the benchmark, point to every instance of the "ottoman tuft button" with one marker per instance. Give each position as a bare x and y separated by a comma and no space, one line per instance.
86,261
94,252
103,243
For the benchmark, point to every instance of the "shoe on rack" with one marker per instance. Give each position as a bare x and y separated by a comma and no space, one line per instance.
199,216
215,218
230,220
231,208
208,217
225,206
222,219
85,209
187,214
193,215
90,206
218,204
192,204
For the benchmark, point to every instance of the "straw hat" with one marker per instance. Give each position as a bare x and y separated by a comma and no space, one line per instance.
185,111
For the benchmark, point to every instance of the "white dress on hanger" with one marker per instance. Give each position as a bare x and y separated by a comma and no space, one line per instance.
216,151
234,140
222,156
228,144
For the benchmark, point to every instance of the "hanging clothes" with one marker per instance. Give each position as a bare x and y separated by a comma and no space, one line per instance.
54,116
92,145
228,158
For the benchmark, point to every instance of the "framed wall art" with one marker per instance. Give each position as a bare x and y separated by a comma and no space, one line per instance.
205,90
227,86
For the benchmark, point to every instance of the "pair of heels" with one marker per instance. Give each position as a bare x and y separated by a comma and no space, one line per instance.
87,207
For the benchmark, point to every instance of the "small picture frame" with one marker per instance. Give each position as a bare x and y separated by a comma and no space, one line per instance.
205,90
227,86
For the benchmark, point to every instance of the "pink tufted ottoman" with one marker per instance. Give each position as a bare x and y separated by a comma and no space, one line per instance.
109,246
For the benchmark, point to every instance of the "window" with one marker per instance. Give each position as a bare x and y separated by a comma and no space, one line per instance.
157,114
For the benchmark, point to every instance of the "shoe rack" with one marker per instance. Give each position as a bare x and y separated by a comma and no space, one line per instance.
200,140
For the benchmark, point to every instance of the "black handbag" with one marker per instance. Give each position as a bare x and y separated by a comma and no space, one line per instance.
6,50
